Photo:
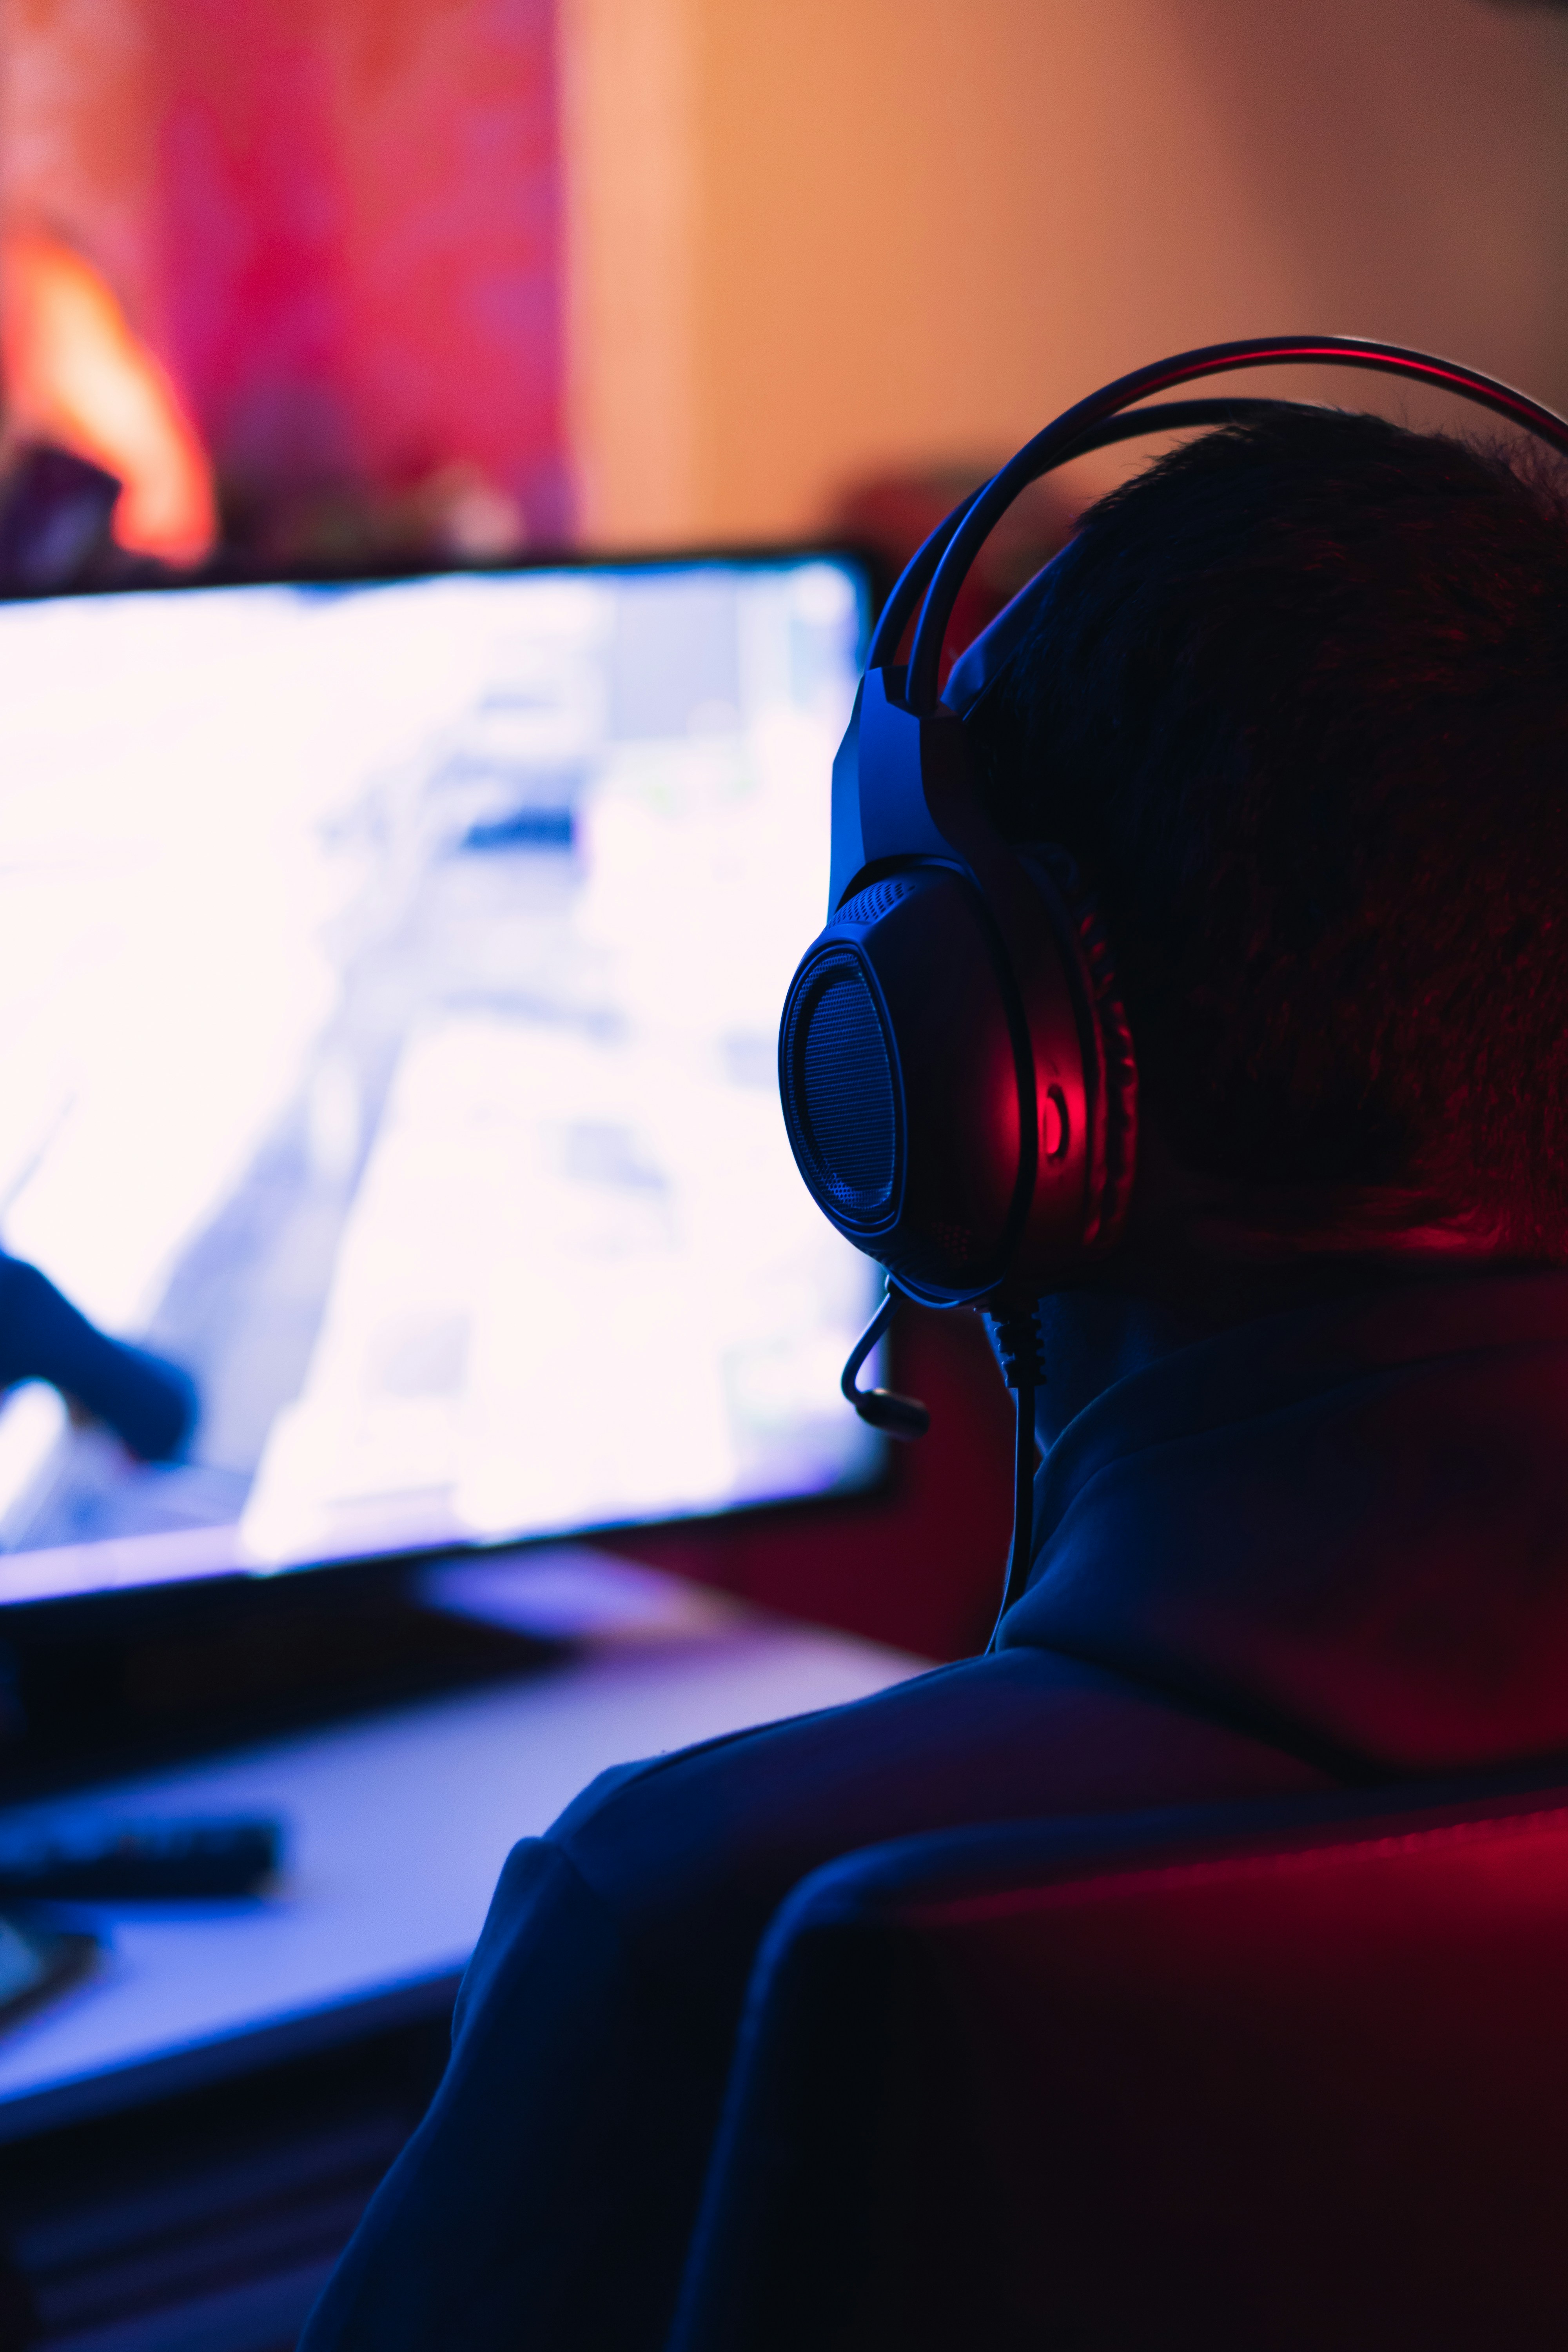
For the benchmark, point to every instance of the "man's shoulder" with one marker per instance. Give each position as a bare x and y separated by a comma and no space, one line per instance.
729,1826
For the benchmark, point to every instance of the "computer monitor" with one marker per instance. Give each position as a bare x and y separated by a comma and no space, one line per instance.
389,981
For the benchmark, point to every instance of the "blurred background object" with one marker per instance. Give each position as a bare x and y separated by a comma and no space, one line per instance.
321,247
57,522
80,381
150,1403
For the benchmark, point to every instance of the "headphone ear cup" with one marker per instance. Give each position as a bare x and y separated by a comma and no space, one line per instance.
1111,1062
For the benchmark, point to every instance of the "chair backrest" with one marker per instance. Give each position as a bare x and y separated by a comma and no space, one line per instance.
1248,2079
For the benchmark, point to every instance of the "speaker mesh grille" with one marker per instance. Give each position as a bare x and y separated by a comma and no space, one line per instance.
841,1089
875,900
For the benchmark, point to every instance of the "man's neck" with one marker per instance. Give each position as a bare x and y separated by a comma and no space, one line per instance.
1202,1253
1097,1336
1093,1339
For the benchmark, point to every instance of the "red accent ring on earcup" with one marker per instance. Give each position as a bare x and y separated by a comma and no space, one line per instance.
1110,1059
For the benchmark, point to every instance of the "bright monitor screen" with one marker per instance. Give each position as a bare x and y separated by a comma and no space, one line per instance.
389,982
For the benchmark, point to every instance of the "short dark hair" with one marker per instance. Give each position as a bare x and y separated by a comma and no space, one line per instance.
1297,701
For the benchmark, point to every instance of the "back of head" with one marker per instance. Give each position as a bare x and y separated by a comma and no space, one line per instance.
1298,699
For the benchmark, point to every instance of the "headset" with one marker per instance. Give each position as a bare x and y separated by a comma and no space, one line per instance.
960,1085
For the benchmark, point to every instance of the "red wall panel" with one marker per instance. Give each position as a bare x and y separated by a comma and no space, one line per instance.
338,222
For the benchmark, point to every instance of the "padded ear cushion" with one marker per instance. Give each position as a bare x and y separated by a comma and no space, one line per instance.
1113,1145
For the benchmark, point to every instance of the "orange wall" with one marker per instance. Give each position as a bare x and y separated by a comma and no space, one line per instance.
811,237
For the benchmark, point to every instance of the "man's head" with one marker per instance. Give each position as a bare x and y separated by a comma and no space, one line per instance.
1298,699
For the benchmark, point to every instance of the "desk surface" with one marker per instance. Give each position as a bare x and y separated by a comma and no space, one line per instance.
396,1830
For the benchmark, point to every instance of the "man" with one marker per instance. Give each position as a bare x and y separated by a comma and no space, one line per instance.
1296,699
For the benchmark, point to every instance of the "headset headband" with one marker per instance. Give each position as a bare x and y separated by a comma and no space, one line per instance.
942,565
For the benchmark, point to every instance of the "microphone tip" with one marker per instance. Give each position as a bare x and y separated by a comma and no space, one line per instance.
896,1416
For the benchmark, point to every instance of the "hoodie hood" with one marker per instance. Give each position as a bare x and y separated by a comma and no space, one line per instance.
1345,1527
